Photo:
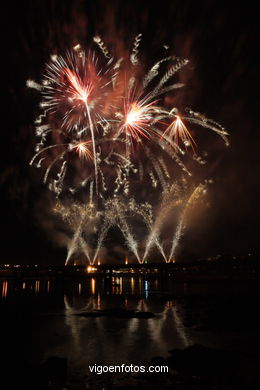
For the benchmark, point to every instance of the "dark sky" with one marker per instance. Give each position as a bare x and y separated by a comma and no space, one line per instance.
221,41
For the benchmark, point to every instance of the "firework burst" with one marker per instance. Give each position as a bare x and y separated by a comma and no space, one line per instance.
83,150
96,109
176,132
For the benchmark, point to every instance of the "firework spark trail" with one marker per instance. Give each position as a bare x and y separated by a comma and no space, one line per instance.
59,157
181,224
154,71
81,148
109,216
88,218
115,215
164,142
177,130
174,69
82,93
130,240
103,232
165,209
166,206
75,239
94,147
176,239
133,56
145,211
91,192
56,185
201,120
85,248
152,238
102,46
44,150
157,168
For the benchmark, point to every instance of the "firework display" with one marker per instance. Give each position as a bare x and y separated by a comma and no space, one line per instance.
108,143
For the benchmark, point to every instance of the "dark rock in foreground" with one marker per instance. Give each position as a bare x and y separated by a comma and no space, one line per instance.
52,374
117,313
216,368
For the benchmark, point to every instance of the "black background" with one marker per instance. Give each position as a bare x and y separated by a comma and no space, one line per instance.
221,41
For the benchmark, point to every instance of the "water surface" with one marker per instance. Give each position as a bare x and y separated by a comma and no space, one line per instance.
38,319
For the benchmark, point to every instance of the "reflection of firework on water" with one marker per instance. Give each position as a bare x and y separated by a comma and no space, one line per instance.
102,133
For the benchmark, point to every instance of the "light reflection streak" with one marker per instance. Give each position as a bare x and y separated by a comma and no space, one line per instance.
180,327
132,285
71,321
146,288
98,302
37,286
93,286
4,289
140,285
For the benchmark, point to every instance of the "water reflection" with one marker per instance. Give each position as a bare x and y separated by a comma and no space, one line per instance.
11,286
146,288
70,320
37,286
111,339
4,289
45,310
93,286
179,326
117,285
132,285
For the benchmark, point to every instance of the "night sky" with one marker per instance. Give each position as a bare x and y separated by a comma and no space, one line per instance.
221,42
